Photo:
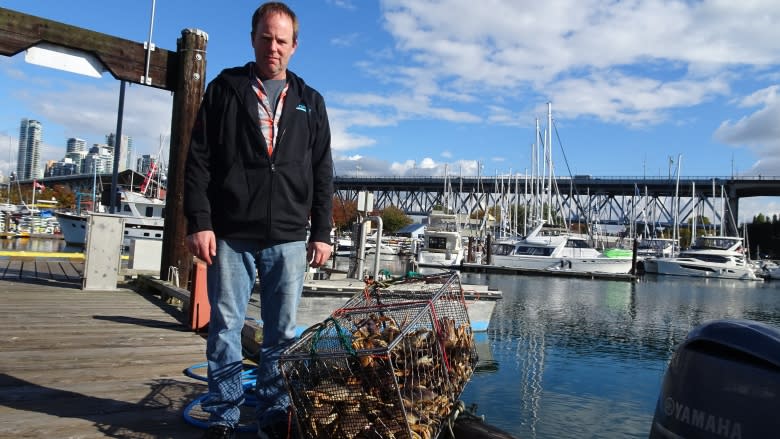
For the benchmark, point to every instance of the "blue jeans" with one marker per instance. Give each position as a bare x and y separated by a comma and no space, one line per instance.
230,279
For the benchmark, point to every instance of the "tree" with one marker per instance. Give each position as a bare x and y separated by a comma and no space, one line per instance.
344,213
393,219
64,196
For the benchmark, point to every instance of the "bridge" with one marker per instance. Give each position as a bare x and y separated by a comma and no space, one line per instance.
606,200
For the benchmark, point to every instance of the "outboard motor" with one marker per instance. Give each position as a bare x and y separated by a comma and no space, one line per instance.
723,382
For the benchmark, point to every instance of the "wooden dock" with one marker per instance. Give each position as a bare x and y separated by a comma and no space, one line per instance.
91,364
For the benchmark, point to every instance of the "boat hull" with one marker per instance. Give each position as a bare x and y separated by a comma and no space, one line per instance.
445,259
696,268
74,228
579,265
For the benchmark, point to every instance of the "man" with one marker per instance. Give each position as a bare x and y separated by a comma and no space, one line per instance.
259,172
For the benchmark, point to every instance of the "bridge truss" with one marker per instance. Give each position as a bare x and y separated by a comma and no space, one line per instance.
656,202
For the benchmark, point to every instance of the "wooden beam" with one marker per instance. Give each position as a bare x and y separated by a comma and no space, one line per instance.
124,59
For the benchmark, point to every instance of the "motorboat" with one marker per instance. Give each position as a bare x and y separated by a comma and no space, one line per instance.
720,257
143,219
555,249
656,247
442,242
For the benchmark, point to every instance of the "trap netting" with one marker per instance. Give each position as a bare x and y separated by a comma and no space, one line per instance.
391,363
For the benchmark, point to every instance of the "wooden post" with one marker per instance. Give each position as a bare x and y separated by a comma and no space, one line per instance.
190,84
489,249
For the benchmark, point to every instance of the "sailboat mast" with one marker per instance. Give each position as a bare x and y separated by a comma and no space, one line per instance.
549,163
527,204
676,228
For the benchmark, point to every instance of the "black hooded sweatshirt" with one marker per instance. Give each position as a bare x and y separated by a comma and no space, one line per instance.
233,187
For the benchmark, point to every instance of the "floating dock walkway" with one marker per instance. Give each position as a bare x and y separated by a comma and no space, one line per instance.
468,267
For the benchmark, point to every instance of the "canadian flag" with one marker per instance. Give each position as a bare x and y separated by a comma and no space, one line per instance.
37,185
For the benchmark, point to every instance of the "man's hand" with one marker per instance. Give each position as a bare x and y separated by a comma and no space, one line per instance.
318,253
203,244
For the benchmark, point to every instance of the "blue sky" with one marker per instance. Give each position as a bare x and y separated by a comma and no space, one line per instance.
414,86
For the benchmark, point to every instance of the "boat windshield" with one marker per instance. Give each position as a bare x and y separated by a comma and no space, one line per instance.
437,243
654,244
503,249
577,243
533,251
714,242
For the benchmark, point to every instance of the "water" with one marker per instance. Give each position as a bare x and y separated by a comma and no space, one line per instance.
38,245
585,358
579,358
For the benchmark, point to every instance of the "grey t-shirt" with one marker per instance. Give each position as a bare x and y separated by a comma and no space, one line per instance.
273,88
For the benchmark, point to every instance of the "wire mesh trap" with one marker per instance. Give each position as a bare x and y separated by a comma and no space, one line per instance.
391,363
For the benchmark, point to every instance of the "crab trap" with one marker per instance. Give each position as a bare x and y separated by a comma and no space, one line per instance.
391,363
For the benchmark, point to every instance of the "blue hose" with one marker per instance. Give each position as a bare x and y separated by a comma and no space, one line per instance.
248,379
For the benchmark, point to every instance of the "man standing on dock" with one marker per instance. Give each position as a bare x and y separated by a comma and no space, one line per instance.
258,174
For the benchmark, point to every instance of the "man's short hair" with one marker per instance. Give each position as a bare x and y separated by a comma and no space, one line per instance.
275,8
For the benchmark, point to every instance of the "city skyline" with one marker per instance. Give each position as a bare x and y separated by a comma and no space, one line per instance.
77,157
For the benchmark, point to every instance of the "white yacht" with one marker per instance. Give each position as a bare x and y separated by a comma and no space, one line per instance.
721,257
442,244
144,219
555,249
656,247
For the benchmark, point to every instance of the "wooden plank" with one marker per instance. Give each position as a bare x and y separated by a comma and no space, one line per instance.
94,364
57,273
42,269
72,270
13,269
27,271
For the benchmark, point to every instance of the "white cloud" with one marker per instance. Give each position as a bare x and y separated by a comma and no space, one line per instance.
346,4
358,165
89,111
750,207
758,131
621,62
346,40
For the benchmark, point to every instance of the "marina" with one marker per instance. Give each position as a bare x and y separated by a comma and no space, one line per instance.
563,357
562,335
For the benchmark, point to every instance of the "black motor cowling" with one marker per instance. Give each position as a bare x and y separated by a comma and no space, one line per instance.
723,381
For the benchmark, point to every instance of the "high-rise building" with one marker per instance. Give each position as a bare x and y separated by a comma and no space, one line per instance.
28,162
76,145
145,163
125,151
100,159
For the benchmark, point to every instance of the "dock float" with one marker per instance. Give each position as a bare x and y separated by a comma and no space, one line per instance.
328,294
468,267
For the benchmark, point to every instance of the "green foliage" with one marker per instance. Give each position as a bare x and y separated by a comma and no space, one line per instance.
759,219
393,219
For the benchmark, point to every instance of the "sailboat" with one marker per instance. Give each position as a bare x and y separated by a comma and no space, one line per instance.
552,248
